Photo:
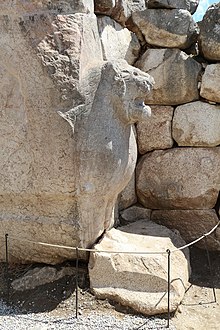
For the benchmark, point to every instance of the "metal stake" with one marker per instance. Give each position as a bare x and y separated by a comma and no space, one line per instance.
168,295
210,270
7,267
77,273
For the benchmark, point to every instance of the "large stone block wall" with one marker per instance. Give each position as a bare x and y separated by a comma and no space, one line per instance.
69,102
178,172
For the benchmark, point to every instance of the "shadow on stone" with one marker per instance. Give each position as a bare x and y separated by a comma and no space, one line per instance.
45,297
201,275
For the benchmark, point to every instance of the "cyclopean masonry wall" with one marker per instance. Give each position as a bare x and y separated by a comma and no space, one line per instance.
69,102
178,177
178,170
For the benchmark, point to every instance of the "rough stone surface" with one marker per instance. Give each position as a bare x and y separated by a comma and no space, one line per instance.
172,28
128,195
117,42
156,132
37,6
120,10
134,213
36,147
197,124
209,38
179,178
69,48
59,174
139,280
40,276
210,87
189,5
191,224
176,76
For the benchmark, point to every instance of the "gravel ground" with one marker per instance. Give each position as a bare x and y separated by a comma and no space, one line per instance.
52,306
11,320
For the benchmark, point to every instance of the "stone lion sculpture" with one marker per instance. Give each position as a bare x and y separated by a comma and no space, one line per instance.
105,145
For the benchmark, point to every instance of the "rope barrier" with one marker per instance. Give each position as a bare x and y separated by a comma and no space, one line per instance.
77,249
118,252
197,240
85,249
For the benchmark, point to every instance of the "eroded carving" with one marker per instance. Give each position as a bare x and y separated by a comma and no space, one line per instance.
105,145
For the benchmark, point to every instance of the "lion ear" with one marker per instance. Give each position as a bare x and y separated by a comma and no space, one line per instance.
119,86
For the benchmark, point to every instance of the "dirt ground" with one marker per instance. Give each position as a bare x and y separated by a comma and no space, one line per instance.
198,310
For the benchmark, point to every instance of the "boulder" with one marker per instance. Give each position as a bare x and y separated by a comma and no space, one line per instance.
211,82
197,124
172,28
189,5
156,132
209,38
179,178
120,10
117,42
128,195
176,76
41,275
139,280
191,225
134,213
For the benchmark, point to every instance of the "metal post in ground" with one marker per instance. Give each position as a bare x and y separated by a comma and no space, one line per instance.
210,270
77,274
7,267
168,293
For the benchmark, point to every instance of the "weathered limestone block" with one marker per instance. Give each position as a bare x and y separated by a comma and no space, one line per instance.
42,275
139,280
191,224
176,76
172,28
209,38
197,124
156,132
134,213
67,146
210,87
117,42
120,10
189,5
37,169
128,195
180,178
37,6
69,50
